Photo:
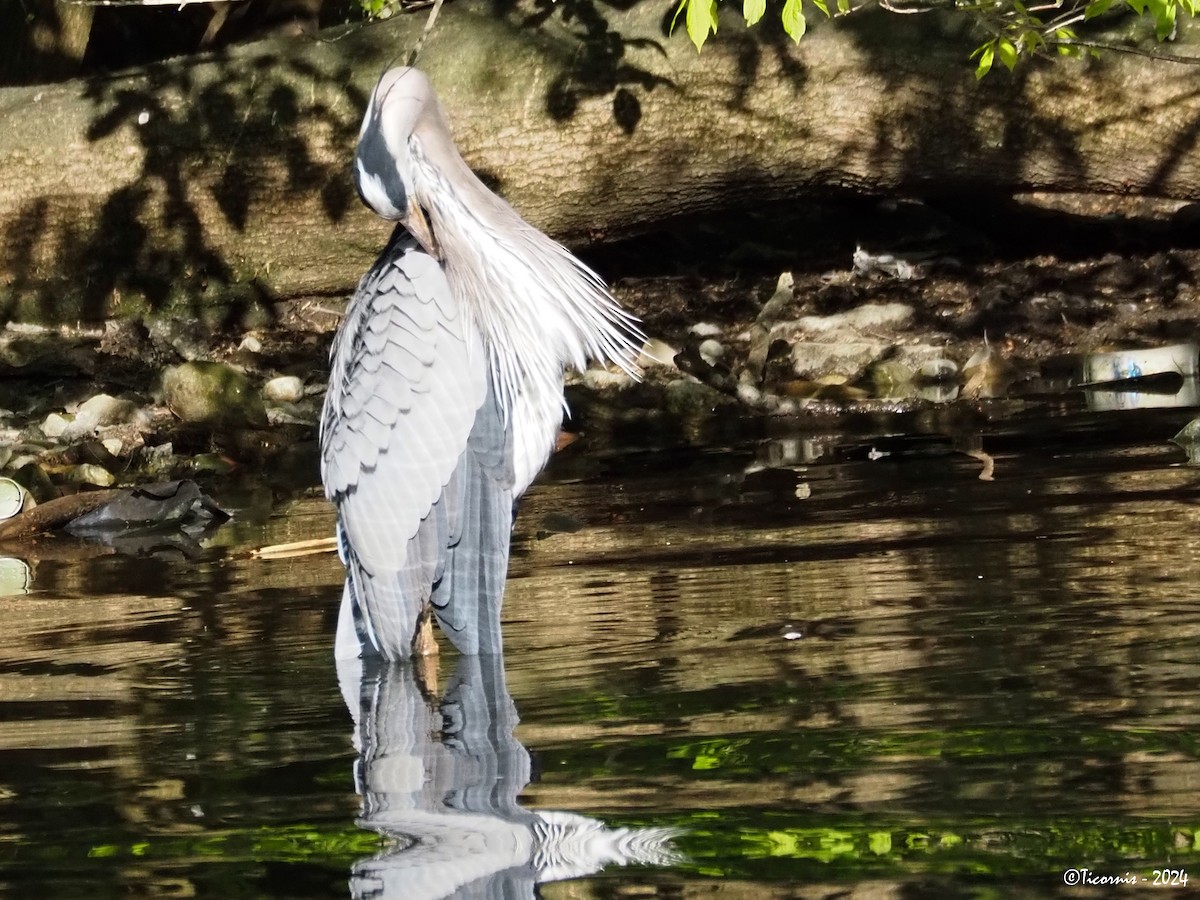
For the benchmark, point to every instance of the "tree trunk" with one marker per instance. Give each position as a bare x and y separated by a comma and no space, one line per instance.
219,182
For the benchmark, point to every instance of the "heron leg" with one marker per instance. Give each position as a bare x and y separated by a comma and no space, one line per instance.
424,643
425,655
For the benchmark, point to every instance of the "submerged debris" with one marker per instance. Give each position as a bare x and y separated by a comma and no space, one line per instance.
1188,438
175,505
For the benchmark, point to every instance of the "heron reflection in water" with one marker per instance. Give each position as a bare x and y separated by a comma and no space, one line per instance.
446,388
441,781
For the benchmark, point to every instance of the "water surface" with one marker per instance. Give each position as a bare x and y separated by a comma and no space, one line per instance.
827,662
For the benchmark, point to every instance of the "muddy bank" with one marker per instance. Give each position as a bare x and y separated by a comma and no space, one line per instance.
886,309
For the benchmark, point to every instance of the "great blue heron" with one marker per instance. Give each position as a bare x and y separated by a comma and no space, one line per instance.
446,387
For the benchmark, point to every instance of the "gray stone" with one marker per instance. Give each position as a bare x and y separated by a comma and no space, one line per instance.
213,394
98,412
284,389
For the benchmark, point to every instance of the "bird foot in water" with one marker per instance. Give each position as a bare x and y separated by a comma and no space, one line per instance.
423,642
425,655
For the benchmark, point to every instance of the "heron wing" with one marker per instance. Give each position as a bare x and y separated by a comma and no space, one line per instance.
416,457
407,376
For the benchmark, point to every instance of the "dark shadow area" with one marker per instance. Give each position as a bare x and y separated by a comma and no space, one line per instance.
254,113
47,41
1023,264
600,66
152,240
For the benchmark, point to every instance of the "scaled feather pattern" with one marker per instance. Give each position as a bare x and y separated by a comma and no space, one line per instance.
445,394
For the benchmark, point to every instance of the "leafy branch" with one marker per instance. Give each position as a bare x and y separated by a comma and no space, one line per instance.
1015,29
701,16
1018,30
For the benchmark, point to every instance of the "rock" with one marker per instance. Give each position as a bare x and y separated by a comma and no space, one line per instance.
212,463
122,441
868,317
55,424
867,263
284,389
34,479
938,370
599,379
98,412
157,460
292,414
812,360
124,338
711,351
213,394
749,393
187,337
90,473
890,378
689,398
656,352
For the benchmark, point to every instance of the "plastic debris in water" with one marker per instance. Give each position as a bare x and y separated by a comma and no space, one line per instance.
1189,439
12,498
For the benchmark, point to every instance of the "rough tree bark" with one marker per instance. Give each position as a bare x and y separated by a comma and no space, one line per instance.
209,181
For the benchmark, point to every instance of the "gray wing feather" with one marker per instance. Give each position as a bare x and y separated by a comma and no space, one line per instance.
407,376
415,455
467,597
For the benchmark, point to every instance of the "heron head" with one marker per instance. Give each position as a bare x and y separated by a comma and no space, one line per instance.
383,162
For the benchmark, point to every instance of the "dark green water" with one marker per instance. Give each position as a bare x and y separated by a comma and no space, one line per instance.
835,663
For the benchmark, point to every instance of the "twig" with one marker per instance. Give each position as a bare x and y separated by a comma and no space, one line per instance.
1134,51
180,3
295,548
433,14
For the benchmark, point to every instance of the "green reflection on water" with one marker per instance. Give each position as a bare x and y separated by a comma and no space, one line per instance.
770,845
339,845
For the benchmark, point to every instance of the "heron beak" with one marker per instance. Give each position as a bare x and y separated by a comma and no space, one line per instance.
418,226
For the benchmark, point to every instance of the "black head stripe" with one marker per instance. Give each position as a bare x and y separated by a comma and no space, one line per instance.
374,160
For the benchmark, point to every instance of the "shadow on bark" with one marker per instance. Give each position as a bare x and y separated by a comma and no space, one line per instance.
150,239
240,160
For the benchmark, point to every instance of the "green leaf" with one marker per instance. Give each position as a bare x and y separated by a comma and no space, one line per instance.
1097,8
675,18
843,6
986,54
701,20
1164,24
822,6
1007,51
1067,38
753,10
1138,6
793,20
1163,13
